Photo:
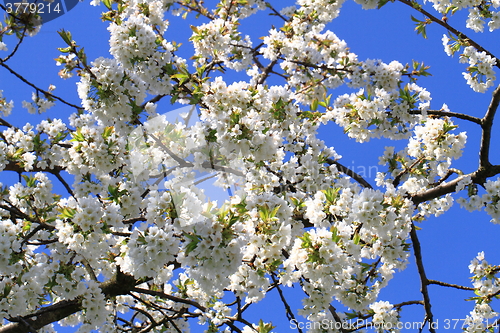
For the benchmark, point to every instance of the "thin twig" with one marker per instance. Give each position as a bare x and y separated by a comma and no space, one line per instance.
289,313
46,93
153,100
88,268
397,179
450,172
461,35
335,315
350,173
424,282
169,297
449,114
268,5
63,181
266,72
450,285
16,47
203,11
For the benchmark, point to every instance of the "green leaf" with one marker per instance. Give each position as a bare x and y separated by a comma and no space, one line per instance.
66,36
274,211
67,213
6,290
351,315
335,236
264,327
26,226
382,3
264,213
195,29
107,132
356,239
82,56
471,190
212,136
183,78
107,3
78,136
64,49
194,240
30,182
421,30
314,105
306,241
420,27
453,9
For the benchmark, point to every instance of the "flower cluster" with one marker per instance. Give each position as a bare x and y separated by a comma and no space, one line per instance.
137,47
366,230
427,157
95,149
141,257
434,143
364,115
479,12
39,104
5,107
324,10
490,200
219,40
70,62
140,205
480,74
486,284
385,317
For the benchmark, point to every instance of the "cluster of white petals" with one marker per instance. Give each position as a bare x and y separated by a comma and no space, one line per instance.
5,107
385,317
478,12
141,226
490,200
480,74
485,284
38,104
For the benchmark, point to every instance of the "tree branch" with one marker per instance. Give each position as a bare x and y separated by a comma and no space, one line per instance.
202,11
350,173
23,34
337,318
43,317
486,124
120,284
289,313
450,285
449,114
424,282
461,35
169,297
478,177
268,5
46,93
63,182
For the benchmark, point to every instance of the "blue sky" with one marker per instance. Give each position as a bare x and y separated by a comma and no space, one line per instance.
449,242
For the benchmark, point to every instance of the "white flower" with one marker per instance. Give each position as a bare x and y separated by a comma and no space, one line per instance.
447,47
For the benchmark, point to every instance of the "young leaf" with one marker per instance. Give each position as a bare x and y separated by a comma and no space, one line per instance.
66,36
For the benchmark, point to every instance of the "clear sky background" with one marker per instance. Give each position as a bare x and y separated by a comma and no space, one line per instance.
449,242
